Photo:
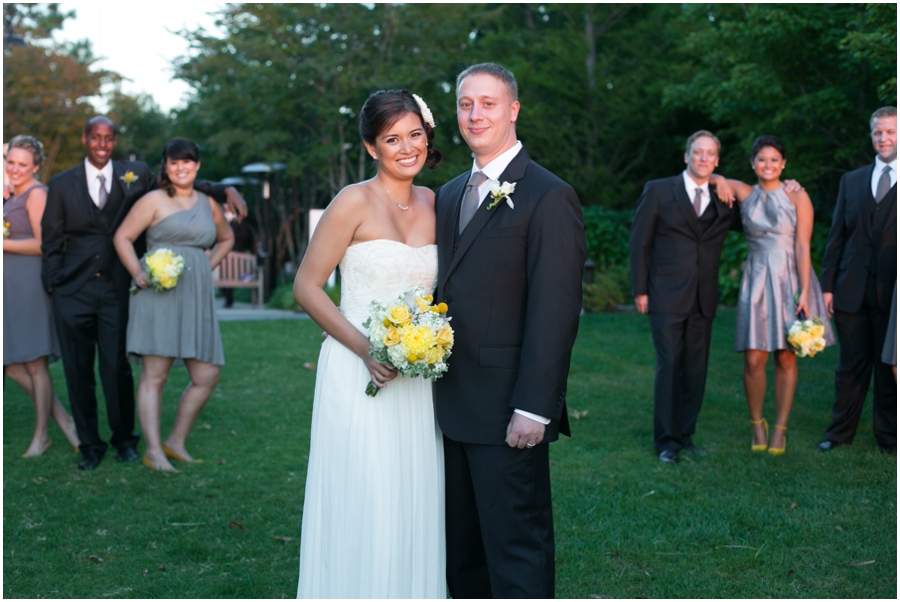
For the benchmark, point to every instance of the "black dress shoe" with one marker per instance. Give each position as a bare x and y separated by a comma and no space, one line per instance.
696,450
90,460
127,453
668,456
827,445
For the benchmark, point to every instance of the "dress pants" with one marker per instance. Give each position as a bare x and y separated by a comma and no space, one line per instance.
96,317
861,335
499,521
682,356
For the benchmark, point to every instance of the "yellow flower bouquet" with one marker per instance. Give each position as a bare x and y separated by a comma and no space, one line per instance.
164,268
5,229
411,335
807,336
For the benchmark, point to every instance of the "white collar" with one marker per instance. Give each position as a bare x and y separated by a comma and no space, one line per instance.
690,185
879,165
495,168
92,172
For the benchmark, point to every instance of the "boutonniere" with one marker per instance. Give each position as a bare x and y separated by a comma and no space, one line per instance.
501,192
129,178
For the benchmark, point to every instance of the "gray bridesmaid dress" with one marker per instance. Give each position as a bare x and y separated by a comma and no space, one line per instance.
766,308
180,322
29,331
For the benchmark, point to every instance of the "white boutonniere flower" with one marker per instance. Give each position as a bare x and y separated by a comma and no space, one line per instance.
501,192
129,178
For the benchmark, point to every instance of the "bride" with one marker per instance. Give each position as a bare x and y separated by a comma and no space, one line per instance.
373,514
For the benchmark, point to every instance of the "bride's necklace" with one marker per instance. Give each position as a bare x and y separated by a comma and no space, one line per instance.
402,208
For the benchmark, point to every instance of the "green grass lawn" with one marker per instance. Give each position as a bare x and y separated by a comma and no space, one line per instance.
730,525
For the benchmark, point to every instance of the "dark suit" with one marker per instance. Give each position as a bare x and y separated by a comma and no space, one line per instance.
675,261
860,270
512,281
89,287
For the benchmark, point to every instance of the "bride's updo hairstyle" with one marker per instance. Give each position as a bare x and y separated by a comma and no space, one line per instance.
764,141
176,149
383,109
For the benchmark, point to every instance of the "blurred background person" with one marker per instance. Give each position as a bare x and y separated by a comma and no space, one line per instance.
29,333
179,323
777,287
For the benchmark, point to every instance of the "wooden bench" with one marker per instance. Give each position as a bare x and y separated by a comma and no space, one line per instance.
240,270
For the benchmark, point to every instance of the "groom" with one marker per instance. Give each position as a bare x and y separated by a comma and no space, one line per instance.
510,270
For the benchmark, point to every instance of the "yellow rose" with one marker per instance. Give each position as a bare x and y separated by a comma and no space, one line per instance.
445,336
434,355
392,337
423,304
168,282
400,315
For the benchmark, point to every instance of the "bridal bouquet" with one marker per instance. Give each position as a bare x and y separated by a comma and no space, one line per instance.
163,269
5,229
410,335
807,336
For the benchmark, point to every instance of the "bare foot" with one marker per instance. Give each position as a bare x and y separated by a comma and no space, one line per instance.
71,433
37,448
158,461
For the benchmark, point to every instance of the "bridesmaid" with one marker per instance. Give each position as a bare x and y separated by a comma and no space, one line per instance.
29,334
179,323
778,284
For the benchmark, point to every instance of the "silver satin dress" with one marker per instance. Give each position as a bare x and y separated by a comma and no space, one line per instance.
766,308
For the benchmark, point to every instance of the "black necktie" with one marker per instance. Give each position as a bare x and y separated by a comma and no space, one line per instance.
884,184
470,200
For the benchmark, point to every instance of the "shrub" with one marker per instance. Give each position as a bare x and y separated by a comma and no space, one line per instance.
609,289
283,297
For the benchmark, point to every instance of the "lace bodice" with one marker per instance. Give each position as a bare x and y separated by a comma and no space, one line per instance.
381,270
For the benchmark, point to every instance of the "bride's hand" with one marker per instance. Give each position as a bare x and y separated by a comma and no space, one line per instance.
380,373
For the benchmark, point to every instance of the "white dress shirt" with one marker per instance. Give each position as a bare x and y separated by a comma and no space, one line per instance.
879,168
692,186
493,171
93,179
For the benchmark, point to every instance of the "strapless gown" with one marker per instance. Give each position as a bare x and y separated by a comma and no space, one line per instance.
373,513
765,308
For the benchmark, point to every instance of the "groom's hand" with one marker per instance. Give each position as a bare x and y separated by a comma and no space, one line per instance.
641,303
523,431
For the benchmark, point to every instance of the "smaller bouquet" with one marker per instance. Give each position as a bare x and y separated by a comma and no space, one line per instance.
5,229
163,270
807,336
410,335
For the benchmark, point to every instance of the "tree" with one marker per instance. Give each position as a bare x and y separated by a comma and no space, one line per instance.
47,88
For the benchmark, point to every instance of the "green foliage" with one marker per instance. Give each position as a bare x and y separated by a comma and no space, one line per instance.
731,267
143,129
609,289
606,234
283,298
733,524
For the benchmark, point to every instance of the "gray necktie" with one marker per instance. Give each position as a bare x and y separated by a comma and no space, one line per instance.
698,196
470,200
102,195
884,184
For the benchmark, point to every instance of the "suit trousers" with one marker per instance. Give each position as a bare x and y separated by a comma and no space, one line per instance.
682,356
861,335
96,316
499,521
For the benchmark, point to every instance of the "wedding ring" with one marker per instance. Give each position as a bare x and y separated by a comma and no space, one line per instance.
529,445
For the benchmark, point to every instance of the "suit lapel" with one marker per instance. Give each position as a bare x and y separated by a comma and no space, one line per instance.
514,172
864,200
685,205
118,195
449,201
80,187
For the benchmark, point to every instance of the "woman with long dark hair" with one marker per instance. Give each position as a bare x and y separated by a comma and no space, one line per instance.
373,521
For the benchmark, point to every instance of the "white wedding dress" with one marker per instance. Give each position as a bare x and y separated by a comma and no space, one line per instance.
373,515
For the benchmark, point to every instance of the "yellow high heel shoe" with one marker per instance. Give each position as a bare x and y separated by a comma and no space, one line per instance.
174,455
150,465
777,451
764,446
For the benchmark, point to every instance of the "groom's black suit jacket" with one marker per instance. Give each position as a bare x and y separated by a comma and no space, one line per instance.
77,236
512,281
852,243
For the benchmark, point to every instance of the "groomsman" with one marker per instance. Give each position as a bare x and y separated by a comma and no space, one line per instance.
859,272
89,286
509,266
675,243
